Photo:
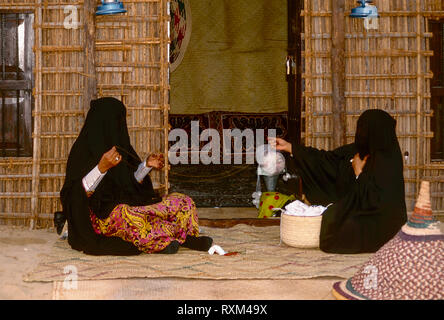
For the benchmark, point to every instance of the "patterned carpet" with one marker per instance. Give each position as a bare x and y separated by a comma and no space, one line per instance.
261,256
223,185
219,185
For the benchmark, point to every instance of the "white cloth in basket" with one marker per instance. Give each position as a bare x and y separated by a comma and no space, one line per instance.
298,208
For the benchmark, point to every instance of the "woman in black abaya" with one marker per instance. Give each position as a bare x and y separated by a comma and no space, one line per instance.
109,200
363,181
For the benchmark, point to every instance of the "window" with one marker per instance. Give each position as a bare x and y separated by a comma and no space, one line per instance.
437,88
16,66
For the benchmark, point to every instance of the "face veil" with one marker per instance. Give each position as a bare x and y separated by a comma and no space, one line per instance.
105,126
375,131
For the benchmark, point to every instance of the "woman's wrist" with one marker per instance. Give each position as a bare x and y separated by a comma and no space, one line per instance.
92,179
102,168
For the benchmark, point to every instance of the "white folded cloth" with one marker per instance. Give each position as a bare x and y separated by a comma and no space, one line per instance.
217,249
298,208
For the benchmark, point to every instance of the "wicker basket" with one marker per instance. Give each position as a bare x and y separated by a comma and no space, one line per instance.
300,232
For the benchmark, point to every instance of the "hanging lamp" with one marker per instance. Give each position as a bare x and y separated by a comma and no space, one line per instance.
110,7
365,10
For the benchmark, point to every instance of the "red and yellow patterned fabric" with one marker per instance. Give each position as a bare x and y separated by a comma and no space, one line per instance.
151,228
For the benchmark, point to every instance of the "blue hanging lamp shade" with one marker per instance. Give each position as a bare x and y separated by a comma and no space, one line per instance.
365,10
110,7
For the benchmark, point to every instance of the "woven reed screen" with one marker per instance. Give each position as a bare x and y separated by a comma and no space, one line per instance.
131,65
387,68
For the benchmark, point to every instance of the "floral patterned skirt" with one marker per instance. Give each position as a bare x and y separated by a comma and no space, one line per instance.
151,228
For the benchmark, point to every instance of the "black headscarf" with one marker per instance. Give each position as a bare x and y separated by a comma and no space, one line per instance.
368,211
104,127
375,132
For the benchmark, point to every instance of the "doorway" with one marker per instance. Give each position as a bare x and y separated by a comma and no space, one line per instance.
437,89
228,73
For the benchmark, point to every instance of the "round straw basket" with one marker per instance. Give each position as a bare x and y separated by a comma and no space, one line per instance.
300,232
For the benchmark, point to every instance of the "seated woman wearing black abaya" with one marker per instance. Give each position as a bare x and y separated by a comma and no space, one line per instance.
363,181
109,200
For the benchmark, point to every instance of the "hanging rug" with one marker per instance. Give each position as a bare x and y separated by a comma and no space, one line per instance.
180,29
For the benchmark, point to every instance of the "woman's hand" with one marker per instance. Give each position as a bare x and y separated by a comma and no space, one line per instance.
280,144
156,161
358,164
109,160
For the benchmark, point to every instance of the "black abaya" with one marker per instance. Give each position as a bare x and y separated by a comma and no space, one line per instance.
105,127
367,211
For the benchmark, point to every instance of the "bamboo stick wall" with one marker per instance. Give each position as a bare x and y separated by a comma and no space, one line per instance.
387,68
131,65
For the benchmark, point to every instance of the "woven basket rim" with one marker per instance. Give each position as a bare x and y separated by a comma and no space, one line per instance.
293,216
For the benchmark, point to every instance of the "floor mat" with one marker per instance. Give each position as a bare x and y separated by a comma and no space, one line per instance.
192,289
261,256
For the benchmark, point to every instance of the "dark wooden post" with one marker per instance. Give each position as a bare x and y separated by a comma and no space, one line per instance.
338,72
294,78
89,66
